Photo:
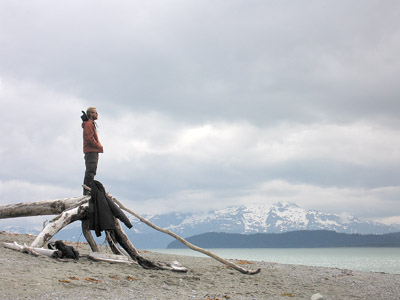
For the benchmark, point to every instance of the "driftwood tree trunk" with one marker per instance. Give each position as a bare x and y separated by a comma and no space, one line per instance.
41,208
33,250
183,241
77,210
73,209
88,235
67,217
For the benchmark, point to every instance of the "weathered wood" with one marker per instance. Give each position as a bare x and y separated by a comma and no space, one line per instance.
112,242
73,209
88,235
40,208
183,241
126,238
112,258
67,217
145,263
114,237
33,250
122,239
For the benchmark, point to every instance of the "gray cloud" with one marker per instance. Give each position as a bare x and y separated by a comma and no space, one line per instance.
223,102
262,62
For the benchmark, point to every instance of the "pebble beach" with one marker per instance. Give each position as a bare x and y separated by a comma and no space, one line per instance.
24,276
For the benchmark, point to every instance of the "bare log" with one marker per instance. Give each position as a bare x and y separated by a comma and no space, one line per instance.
125,237
73,209
33,250
112,242
67,217
112,258
113,236
41,208
88,235
123,240
145,263
183,241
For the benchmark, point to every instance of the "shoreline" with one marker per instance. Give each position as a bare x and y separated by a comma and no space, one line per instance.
366,259
25,276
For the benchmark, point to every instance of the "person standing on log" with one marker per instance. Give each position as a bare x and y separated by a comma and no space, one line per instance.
91,146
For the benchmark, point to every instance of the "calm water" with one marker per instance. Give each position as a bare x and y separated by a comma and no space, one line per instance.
363,259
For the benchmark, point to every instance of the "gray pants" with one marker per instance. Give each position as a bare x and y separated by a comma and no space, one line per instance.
91,160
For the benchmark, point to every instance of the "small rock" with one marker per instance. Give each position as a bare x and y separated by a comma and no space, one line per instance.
317,297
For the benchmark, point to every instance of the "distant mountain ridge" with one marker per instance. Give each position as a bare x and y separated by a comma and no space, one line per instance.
292,239
277,218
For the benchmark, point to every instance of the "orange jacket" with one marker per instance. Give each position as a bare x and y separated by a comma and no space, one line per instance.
91,141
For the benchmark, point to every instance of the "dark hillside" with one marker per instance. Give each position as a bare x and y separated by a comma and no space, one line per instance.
293,239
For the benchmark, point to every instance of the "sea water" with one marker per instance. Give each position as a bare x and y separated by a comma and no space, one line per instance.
362,259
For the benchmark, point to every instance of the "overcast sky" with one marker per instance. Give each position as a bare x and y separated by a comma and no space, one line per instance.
205,104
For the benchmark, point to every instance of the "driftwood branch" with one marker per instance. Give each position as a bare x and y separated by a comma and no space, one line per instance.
112,258
64,219
41,208
73,209
88,235
112,243
78,210
183,241
33,250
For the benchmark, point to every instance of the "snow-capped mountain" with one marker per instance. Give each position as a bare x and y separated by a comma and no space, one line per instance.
277,218
280,217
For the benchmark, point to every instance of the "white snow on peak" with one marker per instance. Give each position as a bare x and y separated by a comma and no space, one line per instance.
278,217
292,213
255,218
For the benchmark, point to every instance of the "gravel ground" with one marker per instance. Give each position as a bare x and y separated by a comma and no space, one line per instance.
24,276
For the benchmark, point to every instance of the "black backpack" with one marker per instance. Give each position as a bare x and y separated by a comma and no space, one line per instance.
84,116
67,251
